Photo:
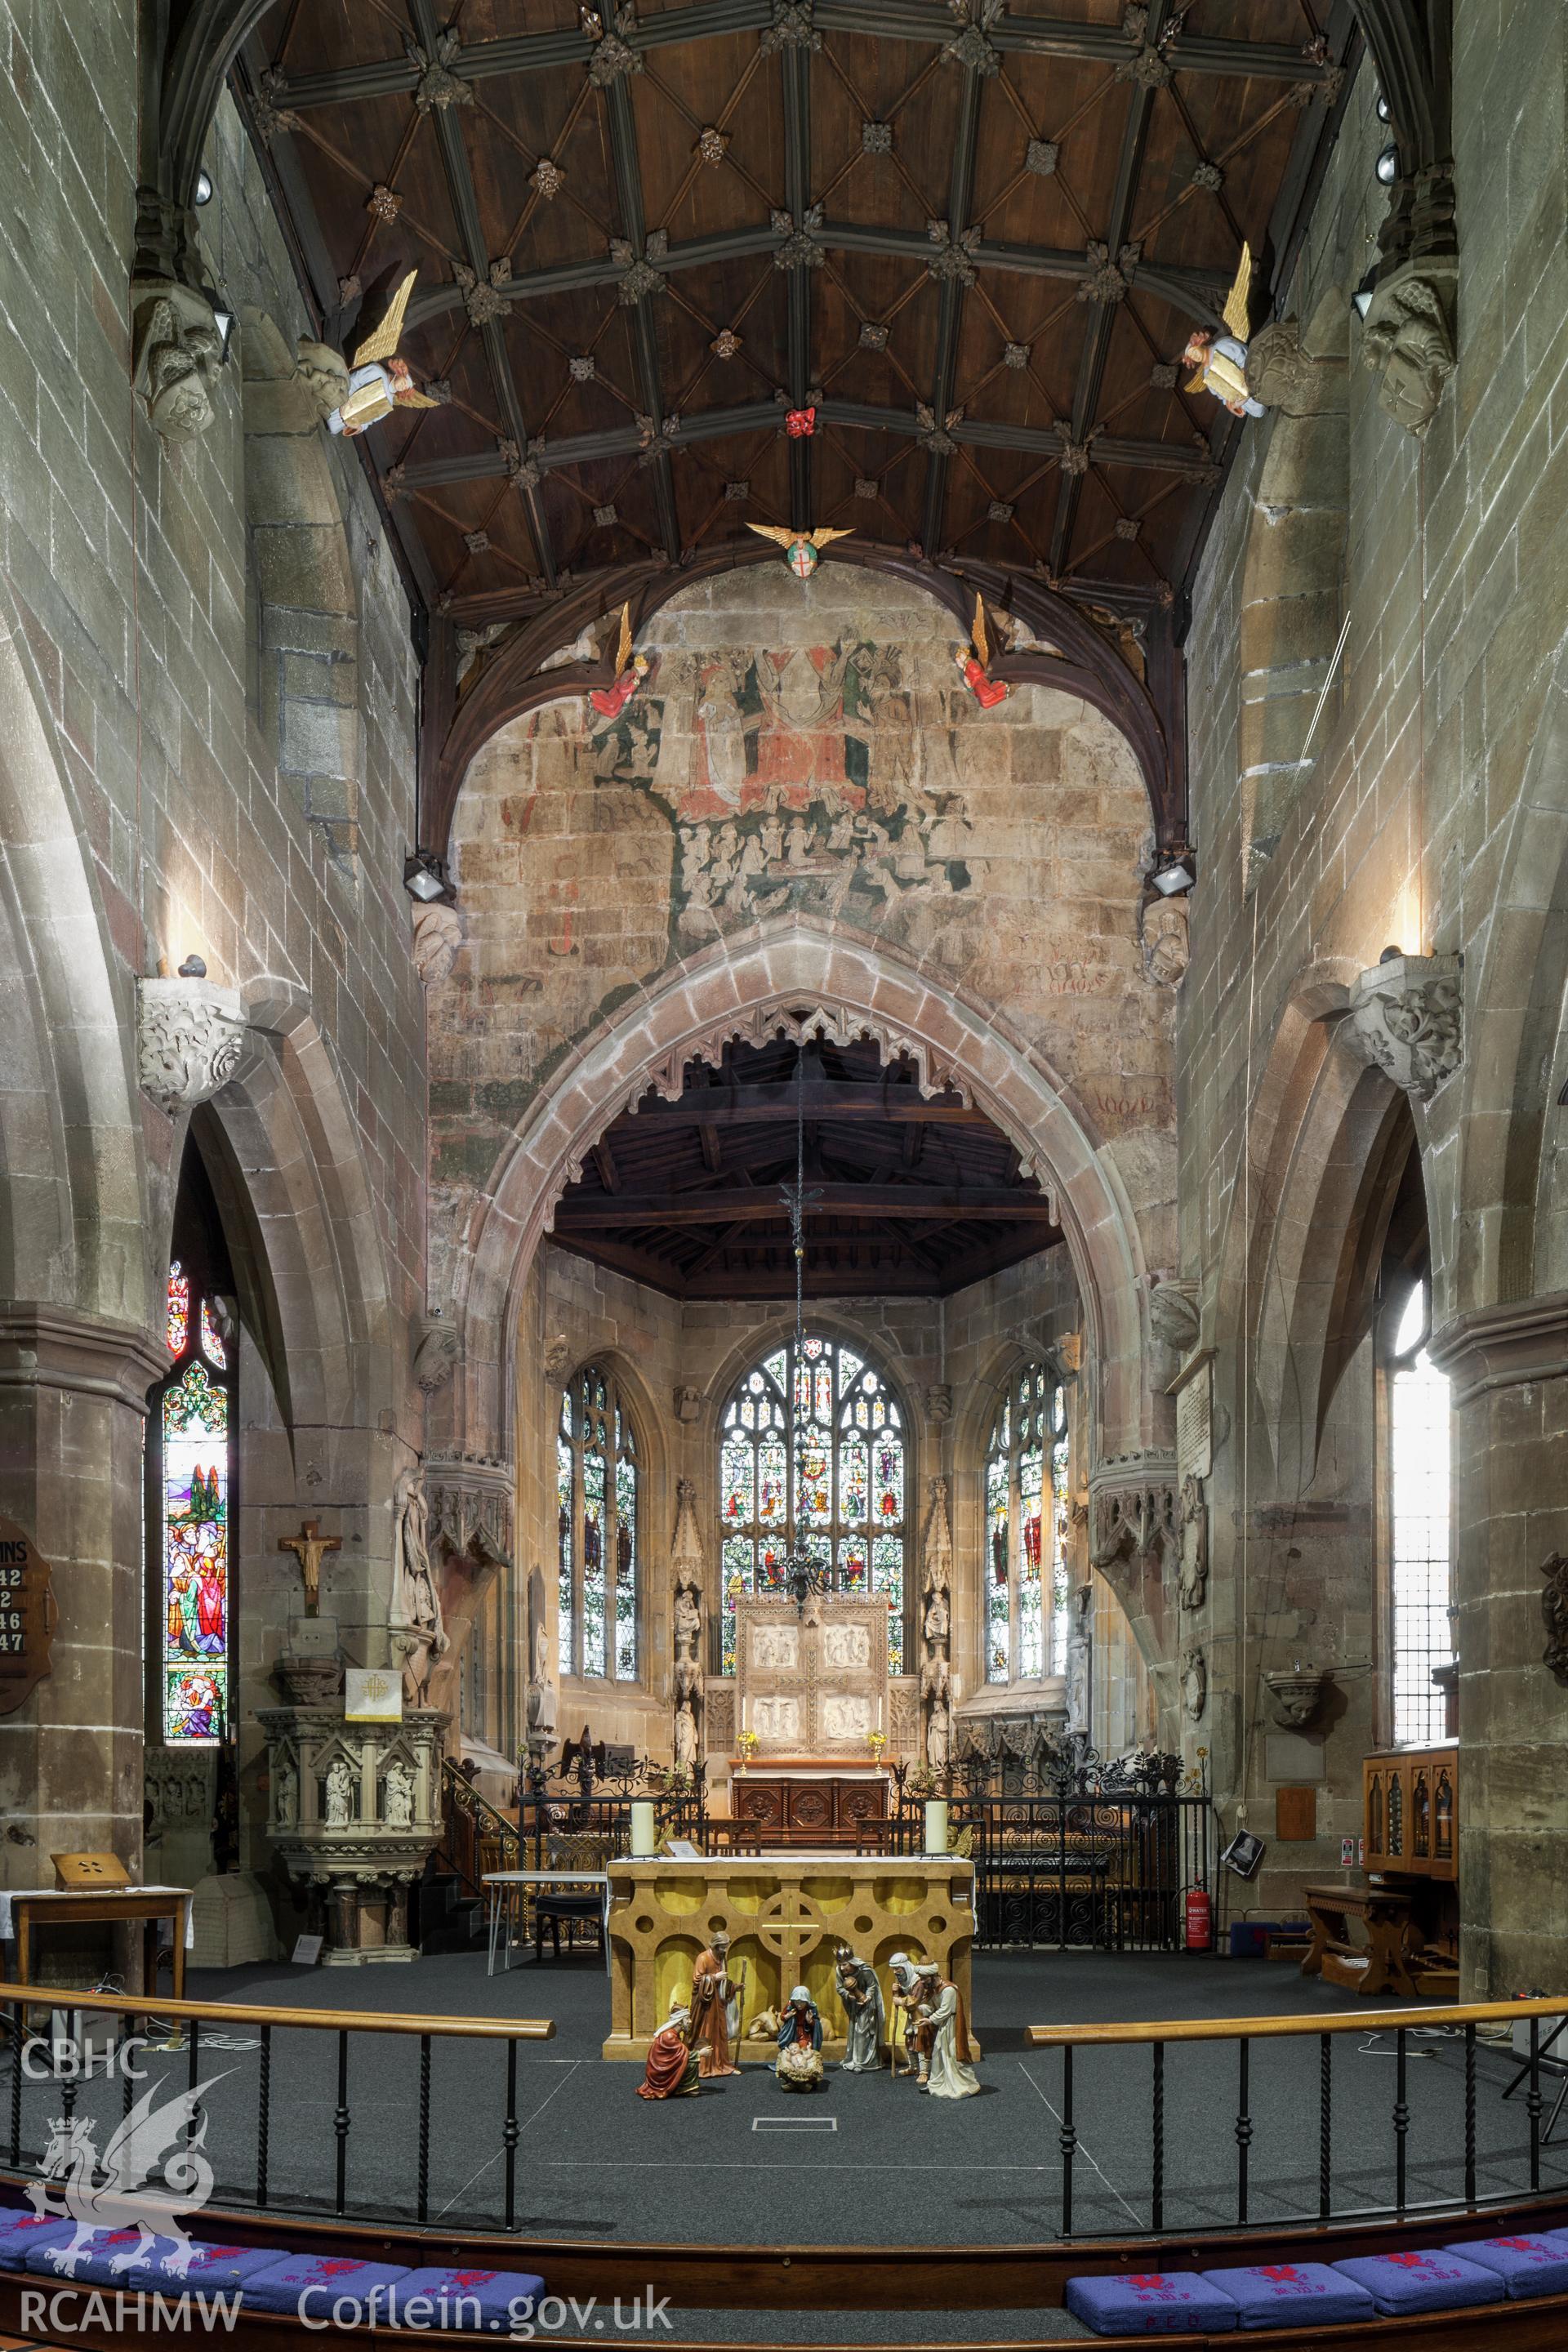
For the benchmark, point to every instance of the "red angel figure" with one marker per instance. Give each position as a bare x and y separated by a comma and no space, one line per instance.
630,671
975,663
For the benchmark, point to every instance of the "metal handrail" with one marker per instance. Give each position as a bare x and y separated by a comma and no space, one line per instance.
1249,2028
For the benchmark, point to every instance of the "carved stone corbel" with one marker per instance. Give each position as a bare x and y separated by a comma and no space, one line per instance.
177,353
438,1345
1136,1520
1175,1316
190,1037
468,1498
1408,338
1194,1685
1406,1020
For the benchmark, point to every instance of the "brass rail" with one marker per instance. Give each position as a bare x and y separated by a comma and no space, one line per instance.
1249,2029
340,2021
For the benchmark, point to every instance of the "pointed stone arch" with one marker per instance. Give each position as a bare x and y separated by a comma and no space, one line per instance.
746,987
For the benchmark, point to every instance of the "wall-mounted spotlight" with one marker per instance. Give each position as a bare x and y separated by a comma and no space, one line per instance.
1173,877
1387,167
1361,301
203,192
1384,111
223,320
424,876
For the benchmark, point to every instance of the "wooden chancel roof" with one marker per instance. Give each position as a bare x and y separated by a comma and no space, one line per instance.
974,235
918,1196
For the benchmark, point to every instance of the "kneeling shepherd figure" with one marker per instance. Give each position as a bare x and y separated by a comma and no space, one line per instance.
671,2061
799,2063
951,2075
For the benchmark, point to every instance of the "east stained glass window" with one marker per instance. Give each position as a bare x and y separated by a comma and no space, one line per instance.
1026,1574
811,1451
193,1435
598,1561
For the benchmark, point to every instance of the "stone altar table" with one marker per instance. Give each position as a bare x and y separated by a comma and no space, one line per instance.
786,1915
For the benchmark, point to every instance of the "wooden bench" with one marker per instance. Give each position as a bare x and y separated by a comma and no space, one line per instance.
1380,1964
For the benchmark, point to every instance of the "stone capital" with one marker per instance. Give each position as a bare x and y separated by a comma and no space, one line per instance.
1502,1346
52,1348
1406,1018
190,1037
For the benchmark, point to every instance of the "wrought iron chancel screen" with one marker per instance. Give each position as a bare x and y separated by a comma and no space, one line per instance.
599,1552
812,1453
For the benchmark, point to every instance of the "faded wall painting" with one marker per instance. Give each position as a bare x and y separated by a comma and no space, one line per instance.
808,749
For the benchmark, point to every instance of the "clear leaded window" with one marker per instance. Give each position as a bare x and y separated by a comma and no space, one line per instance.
1026,1530
829,1472
1418,1521
598,1558
191,1476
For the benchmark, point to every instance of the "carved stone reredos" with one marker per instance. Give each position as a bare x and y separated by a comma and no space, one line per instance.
190,1040
1406,1020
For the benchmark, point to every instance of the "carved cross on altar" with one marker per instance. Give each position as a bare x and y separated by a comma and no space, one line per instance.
308,1547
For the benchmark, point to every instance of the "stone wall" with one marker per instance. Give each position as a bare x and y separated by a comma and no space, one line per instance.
1428,814
156,804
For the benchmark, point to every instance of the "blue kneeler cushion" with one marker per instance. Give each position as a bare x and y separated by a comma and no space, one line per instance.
21,2231
212,2268
1151,2303
1535,2264
325,2279
460,2298
1284,2295
1432,2280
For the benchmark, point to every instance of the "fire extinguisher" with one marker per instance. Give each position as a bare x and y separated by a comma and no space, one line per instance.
1199,1920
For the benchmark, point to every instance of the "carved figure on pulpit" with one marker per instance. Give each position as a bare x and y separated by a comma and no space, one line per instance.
948,2073
285,1796
864,2018
398,1796
798,2067
340,1795
673,2068
713,2000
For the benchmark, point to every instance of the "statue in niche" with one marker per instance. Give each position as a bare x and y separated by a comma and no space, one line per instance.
417,1603
687,1620
1195,1684
540,1694
1195,1542
684,1742
937,1621
285,1796
339,1796
398,1796
937,1691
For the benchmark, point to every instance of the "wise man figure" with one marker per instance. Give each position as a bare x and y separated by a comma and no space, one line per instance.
863,2015
907,2032
947,2072
798,2067
671,2061
713,1999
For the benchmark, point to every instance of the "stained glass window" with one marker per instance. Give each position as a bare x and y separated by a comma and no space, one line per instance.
812,1451
191,1435
1418,1419
1026,1530
600,1551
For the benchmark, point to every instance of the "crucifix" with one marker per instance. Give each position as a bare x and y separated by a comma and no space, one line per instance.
308,1547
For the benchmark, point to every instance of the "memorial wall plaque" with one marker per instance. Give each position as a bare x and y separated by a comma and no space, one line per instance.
28,1613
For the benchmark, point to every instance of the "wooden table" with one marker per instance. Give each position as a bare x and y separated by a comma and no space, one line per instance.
36,1906
1380,1964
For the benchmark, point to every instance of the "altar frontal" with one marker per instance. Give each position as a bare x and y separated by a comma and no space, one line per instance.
788,1918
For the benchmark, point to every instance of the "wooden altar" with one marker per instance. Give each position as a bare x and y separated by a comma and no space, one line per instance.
787,1916
796,1799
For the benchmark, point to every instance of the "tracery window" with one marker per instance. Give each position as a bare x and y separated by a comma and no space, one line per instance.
1026,1530
599,1555
190,1457
1418,1431
829,1472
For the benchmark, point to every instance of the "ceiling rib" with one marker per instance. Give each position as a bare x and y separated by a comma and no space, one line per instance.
898,20
794,60
961,194
1097,345
465,211
644,333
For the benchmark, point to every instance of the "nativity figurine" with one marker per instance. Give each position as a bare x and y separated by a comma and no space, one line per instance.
715,2008
904,2033
798,2067
672,2069
861,1996
946,2073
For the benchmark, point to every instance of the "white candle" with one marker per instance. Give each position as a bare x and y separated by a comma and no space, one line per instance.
643,1839
936,1826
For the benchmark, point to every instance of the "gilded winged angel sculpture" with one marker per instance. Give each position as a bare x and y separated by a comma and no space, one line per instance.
1221,360
357,394
802,547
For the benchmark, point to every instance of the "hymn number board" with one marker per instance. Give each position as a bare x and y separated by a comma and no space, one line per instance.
26,1616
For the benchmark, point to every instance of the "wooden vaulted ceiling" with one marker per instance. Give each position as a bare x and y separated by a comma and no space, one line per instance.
914,1196
975,236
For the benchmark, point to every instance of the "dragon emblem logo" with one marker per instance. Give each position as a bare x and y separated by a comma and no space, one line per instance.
153,2173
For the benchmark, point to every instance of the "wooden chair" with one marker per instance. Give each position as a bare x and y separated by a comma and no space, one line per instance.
555,1907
